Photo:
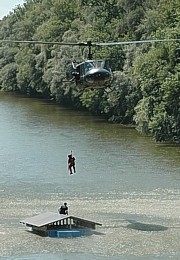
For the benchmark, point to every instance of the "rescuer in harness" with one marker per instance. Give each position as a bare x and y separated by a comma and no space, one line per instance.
71,163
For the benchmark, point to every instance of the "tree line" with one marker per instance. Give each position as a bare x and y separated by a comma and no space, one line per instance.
146,84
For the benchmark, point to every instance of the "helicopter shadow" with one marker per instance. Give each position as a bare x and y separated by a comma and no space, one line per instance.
144,226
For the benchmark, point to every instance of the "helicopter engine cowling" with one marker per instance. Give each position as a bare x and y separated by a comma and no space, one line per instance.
97,76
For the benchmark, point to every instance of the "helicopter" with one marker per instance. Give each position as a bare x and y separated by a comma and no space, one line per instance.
91,73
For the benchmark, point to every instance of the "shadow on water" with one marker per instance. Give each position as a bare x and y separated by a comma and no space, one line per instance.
145,227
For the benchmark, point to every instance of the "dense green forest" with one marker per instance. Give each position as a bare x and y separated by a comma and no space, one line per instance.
146,86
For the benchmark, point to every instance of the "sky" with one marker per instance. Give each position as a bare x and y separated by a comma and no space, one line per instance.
8,5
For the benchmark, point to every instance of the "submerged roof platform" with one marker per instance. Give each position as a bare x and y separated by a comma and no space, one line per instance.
58,224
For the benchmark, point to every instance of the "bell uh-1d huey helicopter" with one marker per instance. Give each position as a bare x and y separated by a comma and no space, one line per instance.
91,73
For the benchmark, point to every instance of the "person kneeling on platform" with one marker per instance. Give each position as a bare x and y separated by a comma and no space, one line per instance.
63,209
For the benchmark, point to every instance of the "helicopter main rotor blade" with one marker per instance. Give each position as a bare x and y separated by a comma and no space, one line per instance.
134,42
42,42
89,43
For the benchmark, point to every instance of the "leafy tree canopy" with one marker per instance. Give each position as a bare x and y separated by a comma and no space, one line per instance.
146,86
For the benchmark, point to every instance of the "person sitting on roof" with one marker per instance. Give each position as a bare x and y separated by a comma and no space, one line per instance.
64,209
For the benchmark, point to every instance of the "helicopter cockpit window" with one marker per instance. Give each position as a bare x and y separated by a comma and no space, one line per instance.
106,65
103,64
99,64
89,65
96,64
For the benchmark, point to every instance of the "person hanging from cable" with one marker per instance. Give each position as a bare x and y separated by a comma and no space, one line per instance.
71,163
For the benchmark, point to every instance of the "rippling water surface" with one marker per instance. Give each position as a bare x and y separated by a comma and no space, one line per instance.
124,181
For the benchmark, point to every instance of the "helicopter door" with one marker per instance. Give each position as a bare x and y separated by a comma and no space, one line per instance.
81,71
78,73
